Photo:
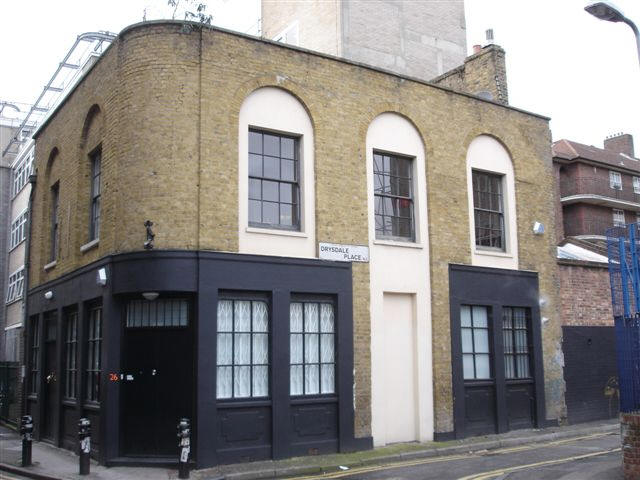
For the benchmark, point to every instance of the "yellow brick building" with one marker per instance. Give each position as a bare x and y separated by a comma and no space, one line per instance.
269,348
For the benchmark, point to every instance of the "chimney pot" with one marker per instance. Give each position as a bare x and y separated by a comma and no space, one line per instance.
477,49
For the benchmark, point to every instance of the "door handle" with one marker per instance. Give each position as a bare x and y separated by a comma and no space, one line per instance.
51,378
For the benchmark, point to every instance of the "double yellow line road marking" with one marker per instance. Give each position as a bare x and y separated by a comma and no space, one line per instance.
477,454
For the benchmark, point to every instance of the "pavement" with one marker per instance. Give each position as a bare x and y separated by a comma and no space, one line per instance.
52,463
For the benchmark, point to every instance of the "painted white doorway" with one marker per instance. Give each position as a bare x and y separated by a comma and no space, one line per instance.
400,367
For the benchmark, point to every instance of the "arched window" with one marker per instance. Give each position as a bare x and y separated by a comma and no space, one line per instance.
492,205
276,179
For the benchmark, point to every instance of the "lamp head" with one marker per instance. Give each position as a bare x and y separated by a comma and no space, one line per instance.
605,11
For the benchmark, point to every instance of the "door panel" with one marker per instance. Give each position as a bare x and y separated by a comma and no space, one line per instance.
157,389
399,369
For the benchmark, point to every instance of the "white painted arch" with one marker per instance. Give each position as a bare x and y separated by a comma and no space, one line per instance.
274,109
488,154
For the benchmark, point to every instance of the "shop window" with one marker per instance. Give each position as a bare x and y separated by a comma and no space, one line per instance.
242,349
71,351
312,343
274,184
393,196
94,350
476,354
516,342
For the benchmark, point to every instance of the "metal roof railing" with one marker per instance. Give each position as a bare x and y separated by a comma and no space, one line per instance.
86,46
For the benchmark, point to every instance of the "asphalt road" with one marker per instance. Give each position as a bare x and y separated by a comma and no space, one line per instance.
591,457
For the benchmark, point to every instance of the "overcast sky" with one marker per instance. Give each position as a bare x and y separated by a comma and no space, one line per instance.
561,62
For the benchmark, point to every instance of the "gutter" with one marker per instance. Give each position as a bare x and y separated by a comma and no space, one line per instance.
25,290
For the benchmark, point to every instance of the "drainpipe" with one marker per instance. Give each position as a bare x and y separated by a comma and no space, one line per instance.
25,290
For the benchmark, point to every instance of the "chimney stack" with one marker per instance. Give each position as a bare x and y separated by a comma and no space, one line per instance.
620,143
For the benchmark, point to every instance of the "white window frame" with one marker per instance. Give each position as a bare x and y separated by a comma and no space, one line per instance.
618,217
636,184
18,230
615,180
21,172
15,286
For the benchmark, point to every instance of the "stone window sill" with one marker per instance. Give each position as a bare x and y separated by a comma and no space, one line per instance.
273,231
50,265
88,246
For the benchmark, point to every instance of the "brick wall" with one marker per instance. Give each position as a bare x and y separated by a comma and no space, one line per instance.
585,296
170,95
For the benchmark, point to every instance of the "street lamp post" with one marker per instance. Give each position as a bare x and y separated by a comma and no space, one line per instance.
609,12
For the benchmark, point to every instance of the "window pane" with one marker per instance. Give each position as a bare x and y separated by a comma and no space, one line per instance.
326,317
482,366
255,165
311,379
328,380
296,380
286,214
270,213
288,149
523,366
225,347
286,193
255,211
467,340
242,350
242,316
480,317
271,145
223,387
296,348
311,348
271,167
326,348
270,191
225,315
288,171
467,366
260,317
509,371
310,317
241,382
481,340
260,348
465,316
295,312
255,191
260,381
255,142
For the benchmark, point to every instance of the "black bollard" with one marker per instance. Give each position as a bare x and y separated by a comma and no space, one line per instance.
184,446
26,430
84,437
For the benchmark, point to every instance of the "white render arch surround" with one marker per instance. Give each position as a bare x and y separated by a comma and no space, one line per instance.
487,154
400,307
273,109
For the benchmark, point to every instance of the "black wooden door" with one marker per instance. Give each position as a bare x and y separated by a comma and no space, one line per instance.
157,386
51,380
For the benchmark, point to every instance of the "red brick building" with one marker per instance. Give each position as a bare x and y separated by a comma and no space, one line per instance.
596,189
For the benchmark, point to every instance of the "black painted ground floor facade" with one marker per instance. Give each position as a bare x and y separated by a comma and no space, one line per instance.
256,351
496,350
